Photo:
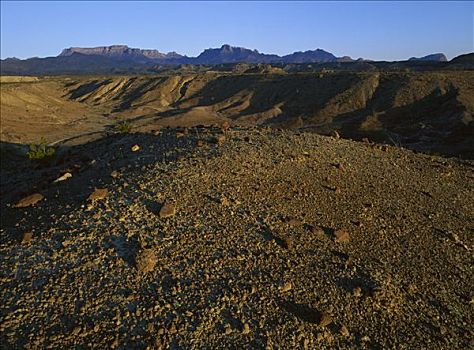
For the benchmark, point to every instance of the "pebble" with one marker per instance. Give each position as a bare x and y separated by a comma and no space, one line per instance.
286,287
317,230
325,319
167,210
146,260
27,237
344,331
29,201
341,236
64,177
98,194
135,148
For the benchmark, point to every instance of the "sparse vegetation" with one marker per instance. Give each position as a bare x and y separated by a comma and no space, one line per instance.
123,127
41,152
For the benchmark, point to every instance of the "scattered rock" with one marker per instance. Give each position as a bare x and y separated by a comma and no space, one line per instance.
341,236
286,287
288,242
317,230
167,210
220,139
98,194
227,329
63,177
357,292
294,222
146,260
172,329
27,237
114,174
29,201
344,331
324,319
224,201
246,329
135,148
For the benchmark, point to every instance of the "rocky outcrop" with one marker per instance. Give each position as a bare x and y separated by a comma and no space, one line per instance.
120,51
438,57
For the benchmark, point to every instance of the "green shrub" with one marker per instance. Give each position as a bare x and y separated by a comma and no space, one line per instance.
123,127
41,152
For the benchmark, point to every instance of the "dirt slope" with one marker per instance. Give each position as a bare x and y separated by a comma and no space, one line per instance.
238,245
430,111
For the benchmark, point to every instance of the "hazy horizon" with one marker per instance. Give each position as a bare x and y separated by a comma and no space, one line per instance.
372,30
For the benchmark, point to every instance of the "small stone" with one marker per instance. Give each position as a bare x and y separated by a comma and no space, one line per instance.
246,329
220,139
98,194
286,287
228,329
167,210
317,230
172,329
294,222
114,174
27,237
341,236
146,260
64,177
29,201
199,143
135,148
288,243
337,190
344,331
324,319
224,202
357,292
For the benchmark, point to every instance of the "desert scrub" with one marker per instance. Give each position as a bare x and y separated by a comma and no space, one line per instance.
123,127
41,152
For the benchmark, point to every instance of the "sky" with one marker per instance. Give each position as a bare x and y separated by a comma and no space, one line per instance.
373,30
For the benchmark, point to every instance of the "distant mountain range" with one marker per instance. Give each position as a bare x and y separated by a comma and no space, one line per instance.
224,54
123,59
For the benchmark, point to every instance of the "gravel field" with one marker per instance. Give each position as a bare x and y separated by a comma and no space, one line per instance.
256,239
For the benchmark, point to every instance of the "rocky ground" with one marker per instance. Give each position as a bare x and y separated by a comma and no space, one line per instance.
254,239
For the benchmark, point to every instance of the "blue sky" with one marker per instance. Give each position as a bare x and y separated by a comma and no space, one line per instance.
374,30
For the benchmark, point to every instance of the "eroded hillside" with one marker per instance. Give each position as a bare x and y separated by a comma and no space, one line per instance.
429,111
